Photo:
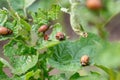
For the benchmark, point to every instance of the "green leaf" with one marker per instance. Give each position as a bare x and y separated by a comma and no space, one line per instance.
17,5
92,76
28,75
58,77
21,64
18,47
26,25
74,76
64,3
43,44
24,29
28,3
44,4
110,72
118,76
2,74
15,78
66,55
47,44
44,16
20,6
5,62
31,75
37,74
53,12
110,51
3,17
2,38
3,3
41,17
110,6
20,56
35,6
81,15
21,28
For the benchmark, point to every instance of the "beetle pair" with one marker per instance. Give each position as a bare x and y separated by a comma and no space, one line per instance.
59,35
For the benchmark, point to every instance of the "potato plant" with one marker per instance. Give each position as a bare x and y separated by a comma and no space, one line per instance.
38,44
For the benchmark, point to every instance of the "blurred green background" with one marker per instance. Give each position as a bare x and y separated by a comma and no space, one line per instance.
25,7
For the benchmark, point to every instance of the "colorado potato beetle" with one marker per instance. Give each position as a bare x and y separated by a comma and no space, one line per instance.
5,31
60,36
84,60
